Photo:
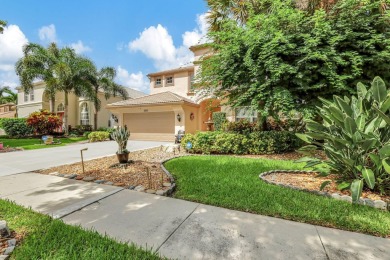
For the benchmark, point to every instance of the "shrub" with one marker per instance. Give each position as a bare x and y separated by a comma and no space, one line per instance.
44,122
356,138
98,136
233,143
81,129
241,127
86,134
16,127
219,119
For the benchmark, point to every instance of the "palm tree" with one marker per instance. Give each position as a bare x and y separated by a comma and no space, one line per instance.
38,63
2,25
10,97
103,81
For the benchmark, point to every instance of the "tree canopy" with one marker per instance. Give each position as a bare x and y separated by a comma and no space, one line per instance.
282,57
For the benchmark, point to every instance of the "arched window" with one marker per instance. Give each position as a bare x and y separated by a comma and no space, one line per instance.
60,108
84,114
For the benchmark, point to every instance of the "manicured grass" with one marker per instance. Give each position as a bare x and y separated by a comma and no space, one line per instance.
35,143
233,183
46,238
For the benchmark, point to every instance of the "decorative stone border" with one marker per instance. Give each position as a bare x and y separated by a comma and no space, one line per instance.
5,237
378,204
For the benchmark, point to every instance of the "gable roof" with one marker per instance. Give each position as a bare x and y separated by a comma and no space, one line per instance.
155,99
133,93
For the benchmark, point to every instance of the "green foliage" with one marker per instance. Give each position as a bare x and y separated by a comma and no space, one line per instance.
81,129
356,138
121,136
16,127
241,127
284,58
219,119
44,122
267,142
98,136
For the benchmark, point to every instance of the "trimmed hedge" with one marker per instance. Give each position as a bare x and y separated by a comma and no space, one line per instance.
219,119
98,136
16,127
266,142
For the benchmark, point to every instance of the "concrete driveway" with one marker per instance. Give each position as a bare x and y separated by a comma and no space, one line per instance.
25,161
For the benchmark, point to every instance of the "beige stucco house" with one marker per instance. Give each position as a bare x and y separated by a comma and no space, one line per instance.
172,105
80,110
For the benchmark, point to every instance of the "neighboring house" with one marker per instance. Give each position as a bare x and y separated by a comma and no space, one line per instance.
7,111
80,110
172,105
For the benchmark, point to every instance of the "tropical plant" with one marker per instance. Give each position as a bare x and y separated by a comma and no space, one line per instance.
284,58
121,136
355,136
44,122
8,96
219,119
98,136
103,81
61,69
2,25
16,127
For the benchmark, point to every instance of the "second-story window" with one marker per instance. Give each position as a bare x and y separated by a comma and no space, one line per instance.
25,96
158,82
32,95
169,80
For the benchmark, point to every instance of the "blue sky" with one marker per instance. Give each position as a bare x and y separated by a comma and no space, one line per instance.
135,37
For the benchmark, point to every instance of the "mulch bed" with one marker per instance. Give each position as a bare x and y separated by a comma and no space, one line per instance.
10,149
133,174
310,181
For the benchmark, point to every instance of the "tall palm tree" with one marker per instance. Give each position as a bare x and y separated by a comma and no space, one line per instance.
38,63
2,25
103,81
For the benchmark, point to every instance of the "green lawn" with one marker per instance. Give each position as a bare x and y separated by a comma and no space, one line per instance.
232,182
52,239
35,143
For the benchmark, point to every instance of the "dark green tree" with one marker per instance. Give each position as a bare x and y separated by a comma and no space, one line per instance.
2,25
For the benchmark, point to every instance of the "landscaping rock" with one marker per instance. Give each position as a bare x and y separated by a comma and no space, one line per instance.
12,242
99,181
70,176
160,192
361,202
89,179
131,187
171,148
4,230
346,198
151,191
380,204
4,257
139,188
60,175
79,178
119,184
167,184
336,196
369,202
8,250
109,183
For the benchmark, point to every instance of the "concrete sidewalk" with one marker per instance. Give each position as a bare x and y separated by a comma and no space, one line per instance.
31,160
185,230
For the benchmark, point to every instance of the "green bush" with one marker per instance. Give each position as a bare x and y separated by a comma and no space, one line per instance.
267,142
16,127
241,127
98,136
219,119
355,137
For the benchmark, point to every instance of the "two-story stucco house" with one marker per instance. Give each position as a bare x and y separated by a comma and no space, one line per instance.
172,105
80,110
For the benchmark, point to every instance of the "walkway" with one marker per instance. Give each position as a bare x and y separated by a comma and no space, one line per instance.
181,229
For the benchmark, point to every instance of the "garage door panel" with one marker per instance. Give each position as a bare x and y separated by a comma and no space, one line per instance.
151,126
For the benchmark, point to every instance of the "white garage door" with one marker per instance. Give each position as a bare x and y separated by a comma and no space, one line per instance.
151,126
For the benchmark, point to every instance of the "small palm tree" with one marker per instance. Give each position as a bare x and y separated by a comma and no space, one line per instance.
2,25
103,81
8,96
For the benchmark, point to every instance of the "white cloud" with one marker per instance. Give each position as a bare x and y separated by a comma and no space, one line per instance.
11,49
48,34
79,47
157,44
137,81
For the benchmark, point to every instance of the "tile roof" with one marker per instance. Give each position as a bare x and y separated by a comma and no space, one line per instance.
186,68
133,93
155,99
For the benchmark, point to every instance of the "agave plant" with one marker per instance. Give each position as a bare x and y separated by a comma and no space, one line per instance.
121,136
355,136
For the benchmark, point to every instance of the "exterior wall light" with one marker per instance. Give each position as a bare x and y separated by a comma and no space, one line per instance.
178,117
